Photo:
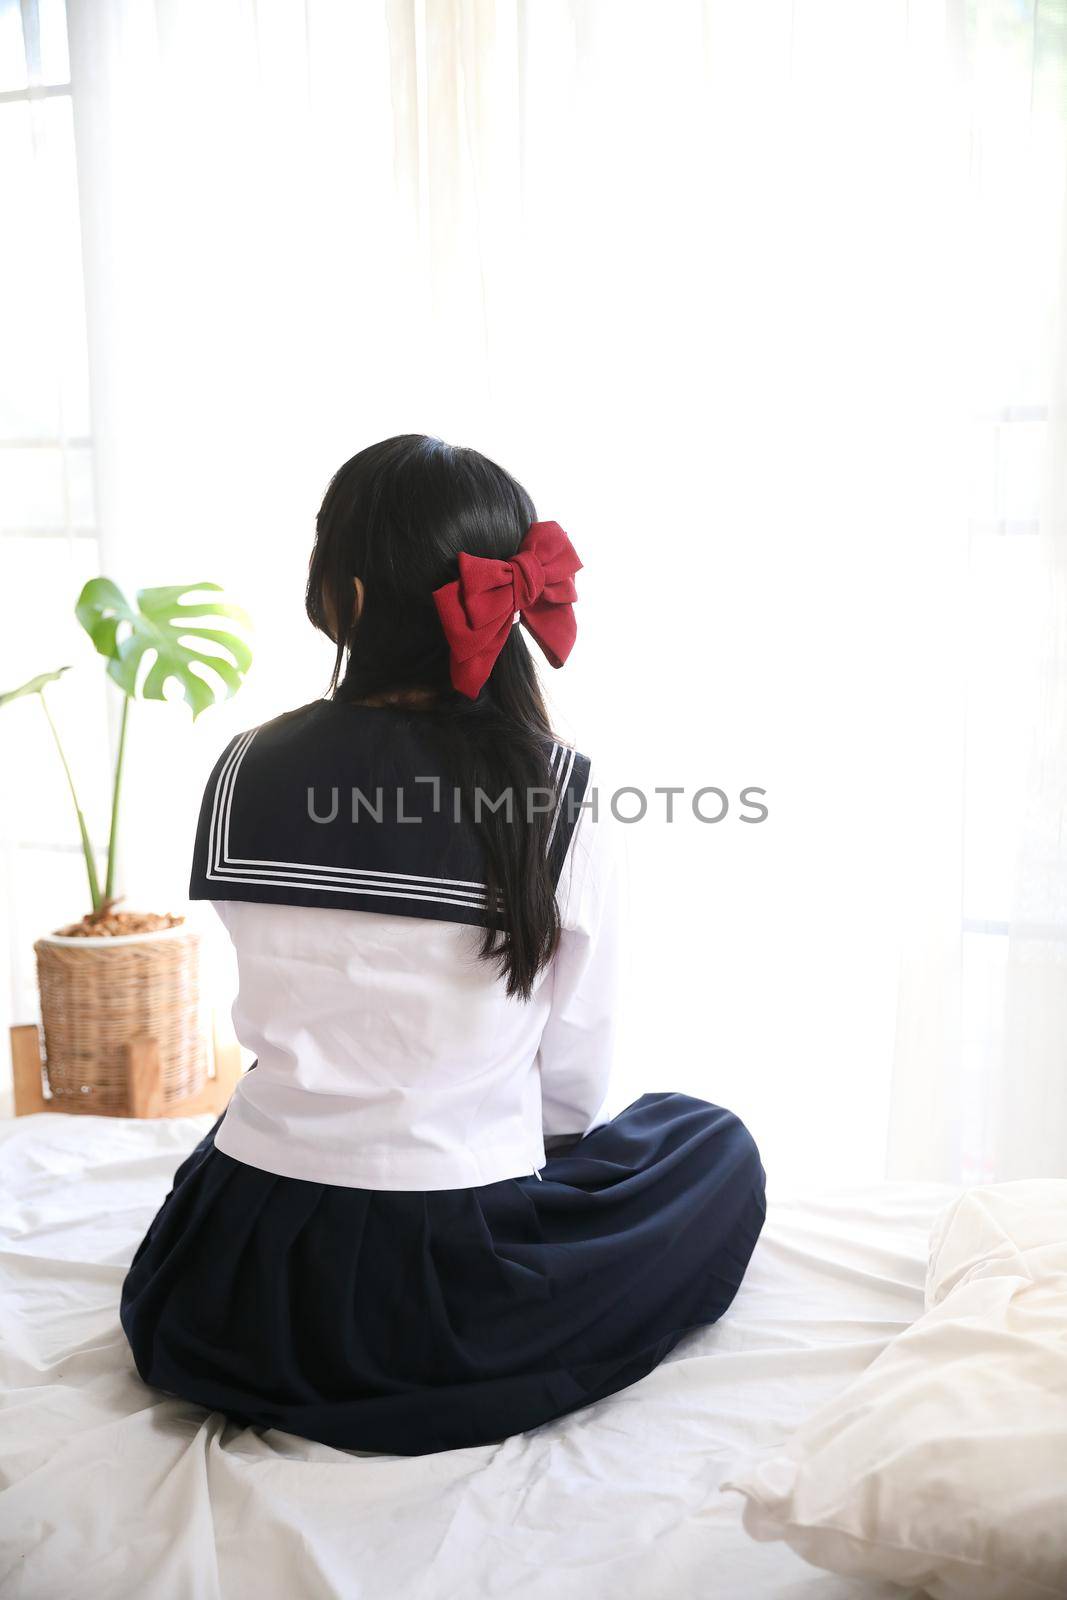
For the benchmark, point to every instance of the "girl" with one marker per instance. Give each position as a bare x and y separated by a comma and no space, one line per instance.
415,1227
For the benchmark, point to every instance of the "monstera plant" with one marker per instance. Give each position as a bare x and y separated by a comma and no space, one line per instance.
119,990
177,631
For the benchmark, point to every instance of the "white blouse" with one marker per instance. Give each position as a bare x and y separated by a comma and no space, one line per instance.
389,1055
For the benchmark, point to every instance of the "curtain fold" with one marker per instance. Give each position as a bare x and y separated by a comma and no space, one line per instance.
756,301
1026,1130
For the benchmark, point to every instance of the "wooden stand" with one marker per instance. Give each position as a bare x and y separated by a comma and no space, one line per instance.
143,1076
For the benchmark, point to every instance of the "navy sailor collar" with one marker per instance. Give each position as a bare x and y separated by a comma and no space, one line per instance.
346,806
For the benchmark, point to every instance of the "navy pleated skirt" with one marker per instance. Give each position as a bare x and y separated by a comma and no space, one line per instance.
404,1322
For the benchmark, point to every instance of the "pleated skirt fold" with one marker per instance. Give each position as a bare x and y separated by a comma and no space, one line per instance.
410,1322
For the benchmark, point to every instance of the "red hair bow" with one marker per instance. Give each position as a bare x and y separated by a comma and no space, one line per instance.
477,610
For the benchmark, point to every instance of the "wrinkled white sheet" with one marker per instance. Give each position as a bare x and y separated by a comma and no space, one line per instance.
111,1491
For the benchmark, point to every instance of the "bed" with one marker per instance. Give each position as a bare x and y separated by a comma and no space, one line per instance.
111,1490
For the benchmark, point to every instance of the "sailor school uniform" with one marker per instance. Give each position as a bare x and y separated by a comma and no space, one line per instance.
416,1226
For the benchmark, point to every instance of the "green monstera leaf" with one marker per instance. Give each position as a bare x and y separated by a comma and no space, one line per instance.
33,686
161,623
37,686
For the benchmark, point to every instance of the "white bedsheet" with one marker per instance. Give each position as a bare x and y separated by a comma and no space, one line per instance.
111,1491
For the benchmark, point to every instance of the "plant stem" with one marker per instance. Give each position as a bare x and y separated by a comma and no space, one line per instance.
87,848
109,886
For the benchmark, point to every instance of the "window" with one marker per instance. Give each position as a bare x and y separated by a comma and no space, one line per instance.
48,543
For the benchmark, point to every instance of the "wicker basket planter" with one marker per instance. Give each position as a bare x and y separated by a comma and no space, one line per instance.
98,995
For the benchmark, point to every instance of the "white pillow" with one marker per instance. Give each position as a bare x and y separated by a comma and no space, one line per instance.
944,1467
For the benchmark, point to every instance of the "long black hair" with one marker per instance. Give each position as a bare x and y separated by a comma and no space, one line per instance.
396,516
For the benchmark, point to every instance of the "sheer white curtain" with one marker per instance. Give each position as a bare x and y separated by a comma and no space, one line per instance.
718,283
978,1087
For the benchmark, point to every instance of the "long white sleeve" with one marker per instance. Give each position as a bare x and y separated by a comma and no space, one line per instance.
577,1044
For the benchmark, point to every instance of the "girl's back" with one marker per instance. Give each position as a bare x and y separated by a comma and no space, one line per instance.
388,1054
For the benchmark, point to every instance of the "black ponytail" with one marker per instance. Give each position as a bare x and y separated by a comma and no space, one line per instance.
396,516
